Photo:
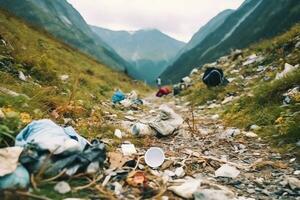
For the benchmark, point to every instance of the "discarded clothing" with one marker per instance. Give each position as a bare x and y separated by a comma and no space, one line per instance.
118,97
49,136
19,179
167,122
163,91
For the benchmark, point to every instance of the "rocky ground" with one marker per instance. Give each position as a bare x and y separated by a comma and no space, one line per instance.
250,168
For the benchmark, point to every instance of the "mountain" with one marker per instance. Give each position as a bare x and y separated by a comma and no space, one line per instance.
59,18
252,21
205,30
149,51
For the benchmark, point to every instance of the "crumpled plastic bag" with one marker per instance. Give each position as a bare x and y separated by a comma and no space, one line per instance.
167,122
118,96
9,159
49,136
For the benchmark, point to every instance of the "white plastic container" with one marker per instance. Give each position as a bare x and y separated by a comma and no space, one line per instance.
154,157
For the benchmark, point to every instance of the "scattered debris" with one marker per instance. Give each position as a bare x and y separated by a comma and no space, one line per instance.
187,187
128,149
287,69
154,157
118,133
62,187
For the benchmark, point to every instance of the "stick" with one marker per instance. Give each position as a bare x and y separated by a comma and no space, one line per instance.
55,177
27,194
222,161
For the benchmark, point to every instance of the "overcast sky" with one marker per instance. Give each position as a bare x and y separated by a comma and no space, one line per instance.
177,18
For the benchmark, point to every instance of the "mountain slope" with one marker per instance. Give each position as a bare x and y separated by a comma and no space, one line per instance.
40,75
149,51
253,21
60,19
207,29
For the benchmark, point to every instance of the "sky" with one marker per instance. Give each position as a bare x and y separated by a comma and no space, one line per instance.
178,18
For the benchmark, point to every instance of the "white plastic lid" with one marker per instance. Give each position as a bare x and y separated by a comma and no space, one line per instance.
154,157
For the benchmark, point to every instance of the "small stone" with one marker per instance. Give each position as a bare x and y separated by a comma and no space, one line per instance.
250,134
215,117
118,188
22,76
227,171
118,133
293,182
179,172
255,127
251,191
297,45
297,172
62,187
292,160
64,77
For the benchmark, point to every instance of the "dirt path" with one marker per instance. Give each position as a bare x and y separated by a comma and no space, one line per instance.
203,144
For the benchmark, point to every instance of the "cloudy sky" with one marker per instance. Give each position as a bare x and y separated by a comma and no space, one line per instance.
177,18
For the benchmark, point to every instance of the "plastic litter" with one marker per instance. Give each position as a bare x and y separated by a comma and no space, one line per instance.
287,69
187,188
211,194
19,179
140,129
9,159
118,133
167,122
62,187
118,96
154,157
49,136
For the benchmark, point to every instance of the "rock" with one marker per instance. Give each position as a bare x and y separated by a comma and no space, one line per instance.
2,115
187,188
62,187
255,127
22,77
93,168
228,99
287,69
231,132
212,194
118,188
250,191
293,182
297,45
128,149
250,134
118,133
227,171
64,77
215,117
194,71
12,93
297,172
179,172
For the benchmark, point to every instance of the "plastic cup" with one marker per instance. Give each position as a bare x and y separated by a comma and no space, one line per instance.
154,157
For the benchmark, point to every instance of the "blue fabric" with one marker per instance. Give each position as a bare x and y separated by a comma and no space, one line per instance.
50,136
19,179
118,96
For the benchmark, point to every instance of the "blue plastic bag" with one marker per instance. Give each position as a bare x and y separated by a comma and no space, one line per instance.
118,96
19,179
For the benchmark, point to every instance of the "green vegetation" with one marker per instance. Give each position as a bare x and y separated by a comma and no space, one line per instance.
261,96
44,94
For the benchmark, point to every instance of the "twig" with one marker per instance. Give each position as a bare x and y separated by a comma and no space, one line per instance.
27,194
33,183
107,194
223,161
94,181
55,177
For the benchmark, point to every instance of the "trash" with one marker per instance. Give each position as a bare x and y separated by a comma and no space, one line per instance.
179,172
18,179
167,122
22,77
132,96
213,77
128,149
187,80
140,129
194,71
62,187
227,171
287,69
187,188
49,136
154,157
137,178
163,91
212,194
118,96
118,188
9,159
126,103
229,99
118,133
93,168
253,59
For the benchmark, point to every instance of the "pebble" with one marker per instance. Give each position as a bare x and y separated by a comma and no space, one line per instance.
62,187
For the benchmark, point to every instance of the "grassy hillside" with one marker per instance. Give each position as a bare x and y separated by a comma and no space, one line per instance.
44,94
258,94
